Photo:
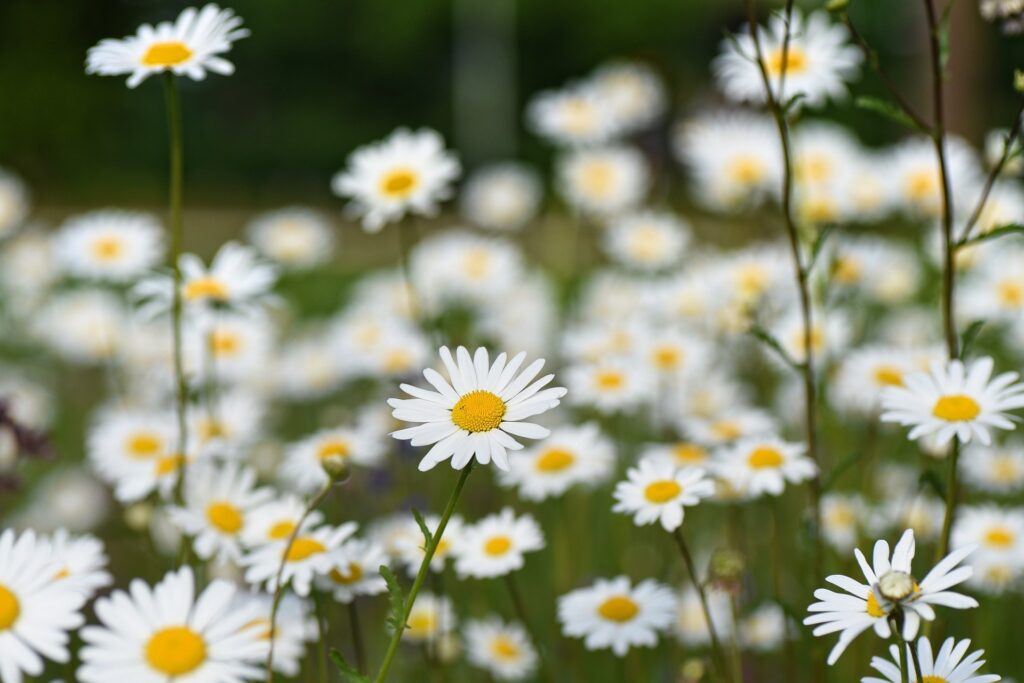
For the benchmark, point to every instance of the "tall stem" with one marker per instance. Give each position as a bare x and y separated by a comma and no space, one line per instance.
357,636
896,625
321,631
177,239
421,575
716,646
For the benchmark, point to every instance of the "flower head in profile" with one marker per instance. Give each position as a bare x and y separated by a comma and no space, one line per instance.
954,400
190,46
409,172
948,665
890,585
478,411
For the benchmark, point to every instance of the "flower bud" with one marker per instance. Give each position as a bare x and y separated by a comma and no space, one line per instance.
896,586
337,468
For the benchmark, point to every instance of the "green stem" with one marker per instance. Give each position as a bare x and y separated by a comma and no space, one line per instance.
421,575
901,645
357,636
951,495
918,676
321,631
721,663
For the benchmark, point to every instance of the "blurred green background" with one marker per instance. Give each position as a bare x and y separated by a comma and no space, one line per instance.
320,77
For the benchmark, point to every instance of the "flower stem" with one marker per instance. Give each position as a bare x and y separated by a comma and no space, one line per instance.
321,632
421,575
716,646
901,646
278,587
357,636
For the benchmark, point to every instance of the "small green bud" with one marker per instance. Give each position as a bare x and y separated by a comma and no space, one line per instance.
337,468
837,5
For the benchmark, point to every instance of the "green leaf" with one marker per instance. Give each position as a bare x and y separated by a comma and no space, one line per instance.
427,536
888,110
396,600
771,342
1001,231
969,336
349,673
819,244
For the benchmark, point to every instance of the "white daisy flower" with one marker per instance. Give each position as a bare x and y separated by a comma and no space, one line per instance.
27,266
229,425
916,176
36,612
313,553
357,571
190,46
133,450
656,492
303,461
408,172
632,91
890,584
866,372
501,196
458,267
275,520
502,650
217,500
691,624
81,560
648,241
731,424
294,627
407,543
494,546
818,63
954,400
842,516
571,455
679,455
117,246
577,114
65,497
994,469
226,346
613,614
477,415
765,629
603,181
609,385
998,536
14,202
763,465
947,666
882,270
83,325
431,619
167,633
294,237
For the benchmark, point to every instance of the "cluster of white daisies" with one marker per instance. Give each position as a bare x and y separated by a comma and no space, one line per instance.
670,401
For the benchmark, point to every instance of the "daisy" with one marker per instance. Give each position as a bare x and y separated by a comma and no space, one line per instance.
167,633
458,267
575,115
609,385
230,423
890,584
730,425
494,546
571,455
294,237
679,455
998,536
36,612
191,46
503,650
603,181
817,64
478,413
764,629
65,497
314,552
357,571
430,620
217,499
294,627
226,346
303,461
633,92
995,469
407,543
842,516
81,560
647,241
14,202
948,666
954,400
133,450
275,520
117,246
83,325
408,172
916,176
882,270
501,196
658,493
866,372
613,614
691,624
763,465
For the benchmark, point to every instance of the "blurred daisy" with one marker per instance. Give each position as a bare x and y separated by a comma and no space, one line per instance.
916,176
133,450
357,571
948,665
883,270
83,325
647,241
656,492
109,245
866,372
431,618
954,400
226,346
890,584
613,614
36,612
764,629
691,624
479,412
275,520
994,469
190,46
294,237
732,424
763,465
14,203
407,544
574,115
998,536
633,93
679,455
313,553
503,650
167,633
494,546
294,627
609,385
303,463
604,180
571,455
501,196
408,172
817,65
81,560
217,500
842,515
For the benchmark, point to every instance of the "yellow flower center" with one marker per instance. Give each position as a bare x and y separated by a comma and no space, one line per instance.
10,608
170,53
872,607
422,623
399,183
688,453
667,357
168,464
206,288
816,168
303,548
1004,469
478,411
794,62
555,460
224,516
727,430
764,457
746,170
476,263
1011,293
662,491
397,360
225,343
504,648
281,530
956,407
333,447
751,279
889,376
846,270
497,546
347,577
598,177
609,380
176,651
933,679
212,429
144,445
922,184
620,608
108,248
999,537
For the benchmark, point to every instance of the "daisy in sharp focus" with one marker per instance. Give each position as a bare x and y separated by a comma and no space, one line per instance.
890,584
167,634
658,492
494,546
613,614
116,246
503,650
36,612
479,412
190,46
408,172
571,455
954,400
763,465
948,665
